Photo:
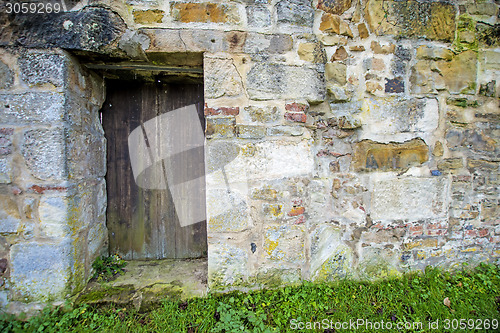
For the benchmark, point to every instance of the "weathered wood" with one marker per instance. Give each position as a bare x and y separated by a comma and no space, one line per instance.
142,223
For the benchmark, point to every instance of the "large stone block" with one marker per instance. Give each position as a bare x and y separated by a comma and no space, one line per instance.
204,12
295,12
410,198
261,114
40,67
460,73
256,161
370,155
271,81
330,257
221,78
227,265
10,219
226,212
399,115
41,107
268,44
40,271
44,153
54,216
432,20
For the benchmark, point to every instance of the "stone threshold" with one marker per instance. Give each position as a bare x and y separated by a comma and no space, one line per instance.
147,282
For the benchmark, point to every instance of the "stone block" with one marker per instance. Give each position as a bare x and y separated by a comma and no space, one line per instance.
221,127
385,49
54,216
264,193
340,54
284,243
267,81
295,12
44,153
395,85
262,114
330,257
221,78
227,265
336,73
10,219
6,140
6,76
38,67
204,12
285,131
250,131
268,44
434,53
263,160
258,17
6,171
450,164
399,114
410,198
460,73
363,31
148,16
337,7
40,271
334,24
487,34
311,52
375,156
97,239
226,212
41,107
432,20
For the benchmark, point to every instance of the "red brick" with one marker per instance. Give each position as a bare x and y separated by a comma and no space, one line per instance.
297,107
43,189
221,111
295,211
295,117
483,232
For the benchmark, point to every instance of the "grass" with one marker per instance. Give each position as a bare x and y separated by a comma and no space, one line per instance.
446,301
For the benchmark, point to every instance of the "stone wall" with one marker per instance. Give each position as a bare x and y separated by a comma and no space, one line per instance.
52,167
344,137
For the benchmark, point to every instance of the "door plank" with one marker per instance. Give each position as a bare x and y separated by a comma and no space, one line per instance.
142,223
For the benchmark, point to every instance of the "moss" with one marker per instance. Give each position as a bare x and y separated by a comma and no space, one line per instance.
97,294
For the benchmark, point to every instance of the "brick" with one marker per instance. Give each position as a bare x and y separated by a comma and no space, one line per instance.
295,211
296,107
416,230
221,111
370,155
295,117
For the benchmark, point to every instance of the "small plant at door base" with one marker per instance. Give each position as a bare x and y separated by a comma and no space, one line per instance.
106,268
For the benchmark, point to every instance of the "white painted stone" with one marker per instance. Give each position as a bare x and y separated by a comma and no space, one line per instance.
262,160
54,219
410,198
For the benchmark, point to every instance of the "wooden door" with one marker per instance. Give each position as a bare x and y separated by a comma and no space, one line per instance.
142,223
